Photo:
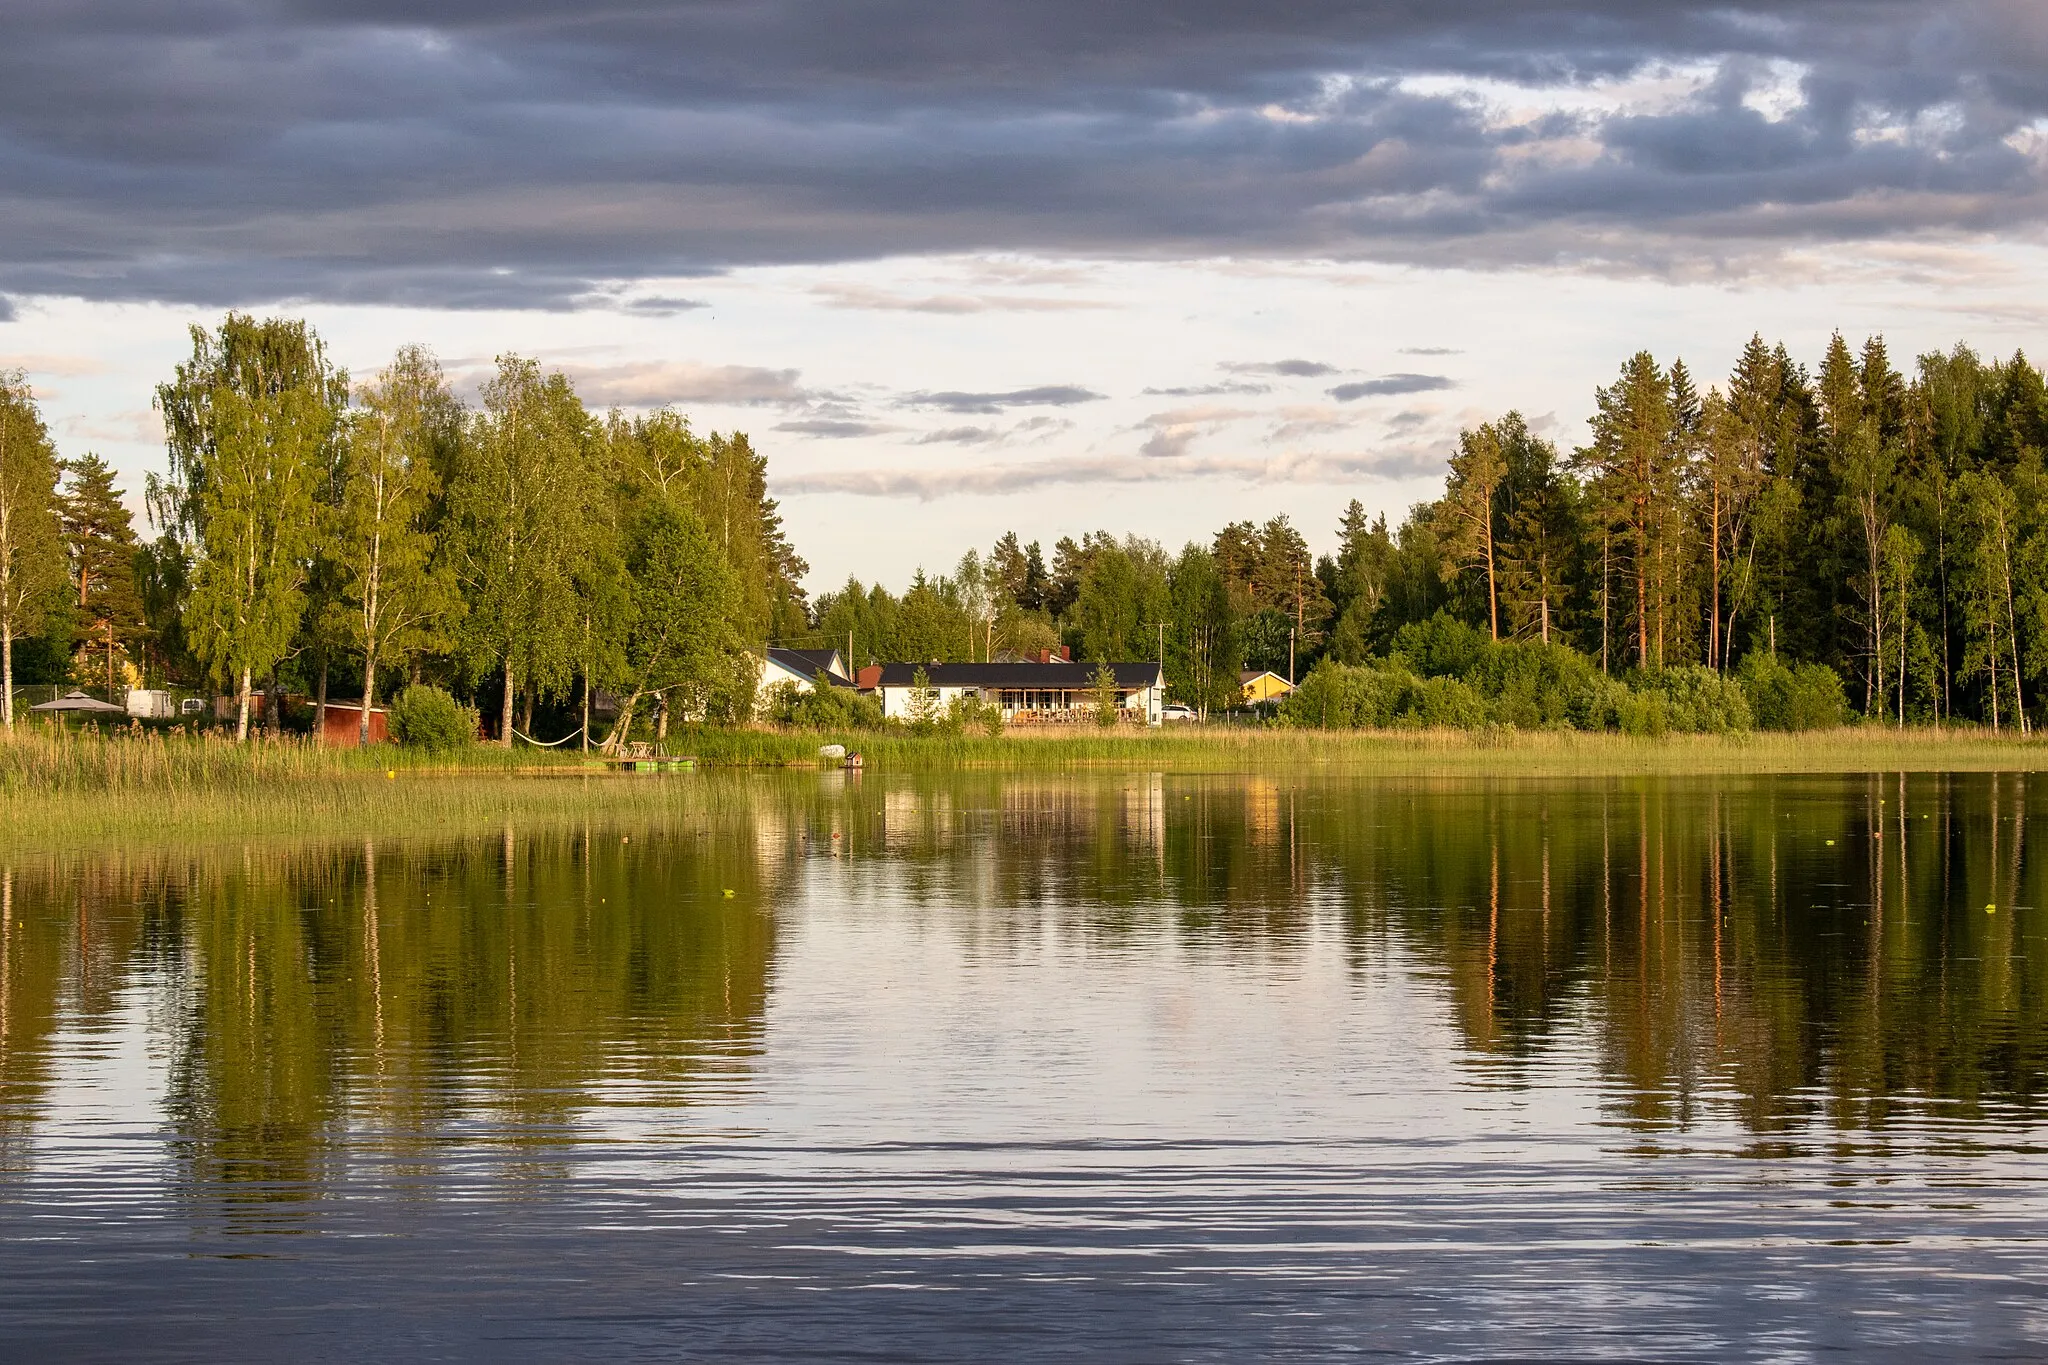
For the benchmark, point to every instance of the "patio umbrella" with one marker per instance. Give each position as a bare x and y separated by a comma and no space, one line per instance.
78,701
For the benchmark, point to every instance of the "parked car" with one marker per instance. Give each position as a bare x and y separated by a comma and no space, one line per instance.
1169,713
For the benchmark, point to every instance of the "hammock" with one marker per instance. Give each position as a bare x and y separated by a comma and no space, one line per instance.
551,743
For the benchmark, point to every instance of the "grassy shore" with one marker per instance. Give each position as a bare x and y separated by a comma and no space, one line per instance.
1506,753
80,787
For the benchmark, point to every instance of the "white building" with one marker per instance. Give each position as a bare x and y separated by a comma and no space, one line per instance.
799,668
1026,692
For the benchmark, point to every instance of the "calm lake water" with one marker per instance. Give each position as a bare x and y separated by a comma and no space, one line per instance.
1122,1067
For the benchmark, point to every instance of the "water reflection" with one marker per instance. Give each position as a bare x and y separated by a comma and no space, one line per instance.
355,1004
1796,951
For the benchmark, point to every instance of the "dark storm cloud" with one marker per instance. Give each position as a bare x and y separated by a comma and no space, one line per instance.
1392,384
535,154
1045,396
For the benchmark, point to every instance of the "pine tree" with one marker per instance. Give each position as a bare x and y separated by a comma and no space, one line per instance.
1467,512
99,541
1629,469
1540,534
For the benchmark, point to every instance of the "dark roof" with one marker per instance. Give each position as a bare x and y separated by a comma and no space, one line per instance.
1070,677
808,662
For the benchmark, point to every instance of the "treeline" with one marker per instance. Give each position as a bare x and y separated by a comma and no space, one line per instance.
1885,529
1852,538
522,552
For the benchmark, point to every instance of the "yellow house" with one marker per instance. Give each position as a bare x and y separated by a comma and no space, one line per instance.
1263,688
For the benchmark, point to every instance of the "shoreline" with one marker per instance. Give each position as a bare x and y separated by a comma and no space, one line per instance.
83,790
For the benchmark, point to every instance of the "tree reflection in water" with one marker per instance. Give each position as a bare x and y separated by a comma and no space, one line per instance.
1800,955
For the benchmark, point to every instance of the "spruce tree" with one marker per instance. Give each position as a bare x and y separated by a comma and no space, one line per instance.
99,541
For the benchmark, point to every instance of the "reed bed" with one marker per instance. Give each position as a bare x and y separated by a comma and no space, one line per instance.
1500,752
70,788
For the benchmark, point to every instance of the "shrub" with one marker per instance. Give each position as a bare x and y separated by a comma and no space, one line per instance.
1107,698
1441,647
1809,697
1525,683
824,707
424,717
1697,700
1341,696
925,712
1442,703
1598,702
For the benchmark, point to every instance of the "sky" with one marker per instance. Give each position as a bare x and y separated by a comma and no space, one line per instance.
967,267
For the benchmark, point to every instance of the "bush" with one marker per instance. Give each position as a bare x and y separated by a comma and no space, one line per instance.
824,707
1524,683
1598,702
1442,704
1441,647
424,717
1341,696
1809,697
1697,700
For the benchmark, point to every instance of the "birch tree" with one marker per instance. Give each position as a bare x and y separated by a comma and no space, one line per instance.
248,419
32,572
399,595
521,508
683,637
1989,513
260,528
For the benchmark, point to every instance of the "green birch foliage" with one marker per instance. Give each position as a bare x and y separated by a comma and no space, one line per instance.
520,522
1123,598
398,595
255,472
683,641
1989,527
1202,653
32,577
242,356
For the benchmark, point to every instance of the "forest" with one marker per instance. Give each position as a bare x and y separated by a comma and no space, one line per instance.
1785,549
309,530
1846,540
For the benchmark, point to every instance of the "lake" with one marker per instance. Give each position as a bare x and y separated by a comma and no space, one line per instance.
1115,1066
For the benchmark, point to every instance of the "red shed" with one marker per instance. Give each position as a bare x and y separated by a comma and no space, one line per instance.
345,721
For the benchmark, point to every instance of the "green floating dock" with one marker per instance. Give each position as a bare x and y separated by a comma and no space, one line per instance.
652,765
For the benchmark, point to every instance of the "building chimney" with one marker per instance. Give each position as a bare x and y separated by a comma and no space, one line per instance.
1066,654
1045,656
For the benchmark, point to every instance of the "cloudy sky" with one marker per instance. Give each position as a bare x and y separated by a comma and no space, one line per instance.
1057,265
